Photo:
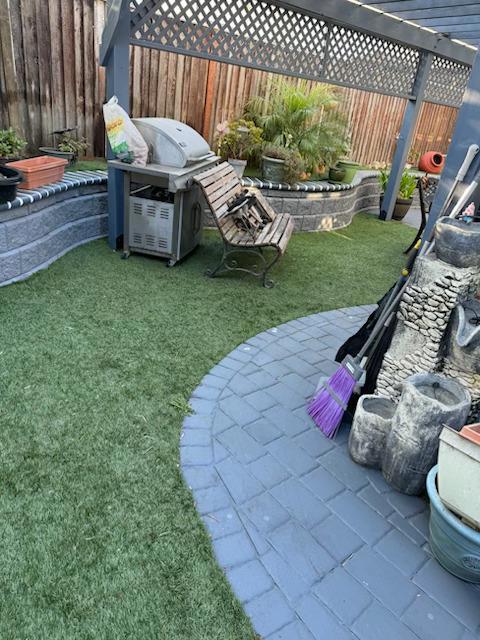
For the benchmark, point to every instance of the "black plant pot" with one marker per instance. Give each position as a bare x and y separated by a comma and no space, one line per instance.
9,181
401,208
336,174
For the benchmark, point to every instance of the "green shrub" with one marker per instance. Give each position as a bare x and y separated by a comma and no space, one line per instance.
238,139
294,167
11,145
70,144
302,118
407,187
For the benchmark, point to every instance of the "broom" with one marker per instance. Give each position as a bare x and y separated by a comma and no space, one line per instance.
329,405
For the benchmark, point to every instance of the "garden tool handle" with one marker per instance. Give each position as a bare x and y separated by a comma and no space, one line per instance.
473,149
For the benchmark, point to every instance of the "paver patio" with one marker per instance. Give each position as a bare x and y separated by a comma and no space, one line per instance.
313,545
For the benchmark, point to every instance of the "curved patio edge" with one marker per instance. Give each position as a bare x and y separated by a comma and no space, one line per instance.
313,545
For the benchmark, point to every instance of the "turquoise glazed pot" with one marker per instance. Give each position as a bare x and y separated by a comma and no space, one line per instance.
455,545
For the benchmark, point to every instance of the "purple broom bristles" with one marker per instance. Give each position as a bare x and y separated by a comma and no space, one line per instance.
329,405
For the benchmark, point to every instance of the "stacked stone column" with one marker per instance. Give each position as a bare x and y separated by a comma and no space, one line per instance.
434,290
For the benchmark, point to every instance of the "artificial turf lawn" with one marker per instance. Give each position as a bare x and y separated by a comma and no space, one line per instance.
99,537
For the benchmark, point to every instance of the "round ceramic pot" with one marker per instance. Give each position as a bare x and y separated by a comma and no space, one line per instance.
351,169
428,402
454,544
457,242
238,166
371,424
272,169
336,174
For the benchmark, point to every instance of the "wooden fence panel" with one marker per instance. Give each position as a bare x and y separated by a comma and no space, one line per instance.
50,79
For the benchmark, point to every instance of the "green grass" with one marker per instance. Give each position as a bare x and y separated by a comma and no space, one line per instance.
89,165
99,538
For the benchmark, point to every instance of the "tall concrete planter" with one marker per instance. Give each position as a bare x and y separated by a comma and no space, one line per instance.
428,403
370,427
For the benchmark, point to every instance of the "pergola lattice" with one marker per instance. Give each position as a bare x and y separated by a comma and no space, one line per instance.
333,41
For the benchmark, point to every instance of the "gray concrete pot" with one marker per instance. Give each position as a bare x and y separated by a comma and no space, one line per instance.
428,403
371,424
464,337
457,243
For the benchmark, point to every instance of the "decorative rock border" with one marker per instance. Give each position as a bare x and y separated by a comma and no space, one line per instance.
45,224
313,545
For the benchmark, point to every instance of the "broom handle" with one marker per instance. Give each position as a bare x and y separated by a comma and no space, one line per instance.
381,321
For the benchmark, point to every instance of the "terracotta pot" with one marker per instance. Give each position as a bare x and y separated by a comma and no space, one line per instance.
471,432
39,171
432,162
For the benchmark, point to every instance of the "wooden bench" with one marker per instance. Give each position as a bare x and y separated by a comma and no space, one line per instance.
247,231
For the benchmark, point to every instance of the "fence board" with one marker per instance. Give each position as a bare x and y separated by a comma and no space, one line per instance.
53,80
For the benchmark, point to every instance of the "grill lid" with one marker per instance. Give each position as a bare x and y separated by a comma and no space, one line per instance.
172,142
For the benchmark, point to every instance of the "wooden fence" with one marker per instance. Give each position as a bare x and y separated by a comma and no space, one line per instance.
50,79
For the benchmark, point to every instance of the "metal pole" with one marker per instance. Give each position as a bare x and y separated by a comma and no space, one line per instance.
117,76
466,132
410,117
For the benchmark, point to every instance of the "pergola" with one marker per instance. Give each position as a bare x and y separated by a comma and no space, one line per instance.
335,41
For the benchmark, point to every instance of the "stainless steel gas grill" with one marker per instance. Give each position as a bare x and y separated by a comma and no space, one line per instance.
162,208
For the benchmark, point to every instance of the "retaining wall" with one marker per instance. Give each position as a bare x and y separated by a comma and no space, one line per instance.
35,235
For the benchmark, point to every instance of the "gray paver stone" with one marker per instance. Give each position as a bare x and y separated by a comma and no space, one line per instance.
269,471
263,431
290,582
265,512
382,579
292,456
239,410
337,537
402,552
430,621
249,580
300,502
240,444
377,623
240,484
320,621
293,631
346,597
269,612
233,550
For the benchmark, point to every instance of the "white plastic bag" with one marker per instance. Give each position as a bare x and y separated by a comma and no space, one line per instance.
125,139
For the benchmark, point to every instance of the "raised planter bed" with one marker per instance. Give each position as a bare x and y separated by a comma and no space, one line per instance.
40,226
320,206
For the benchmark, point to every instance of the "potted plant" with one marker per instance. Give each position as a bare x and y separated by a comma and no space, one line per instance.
11,145
281,164
350,167
68,147
238,140
303,119
336,173
404,199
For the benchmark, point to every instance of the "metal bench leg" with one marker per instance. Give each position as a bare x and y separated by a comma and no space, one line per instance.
267,283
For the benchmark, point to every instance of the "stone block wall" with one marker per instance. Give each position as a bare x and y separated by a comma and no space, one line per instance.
35,235
323,210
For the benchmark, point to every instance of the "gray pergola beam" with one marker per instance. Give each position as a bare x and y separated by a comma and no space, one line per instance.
360,17
116,57
407,5
466,132
412,111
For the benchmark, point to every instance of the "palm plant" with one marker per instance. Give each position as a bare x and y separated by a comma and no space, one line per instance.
302,118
